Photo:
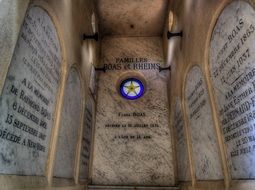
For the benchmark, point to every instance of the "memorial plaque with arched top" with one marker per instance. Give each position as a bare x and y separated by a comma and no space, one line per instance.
205,150
28,99
232,71
181,143
70,125
86,138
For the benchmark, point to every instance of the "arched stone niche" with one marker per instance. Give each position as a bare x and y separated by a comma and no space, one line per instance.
232,72
181,143
27,103
205,150
69,128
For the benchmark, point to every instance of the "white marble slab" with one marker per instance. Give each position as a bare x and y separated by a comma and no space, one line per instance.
232,67
127,154
181,143
29,95
12,13
86,138
70,126
205,148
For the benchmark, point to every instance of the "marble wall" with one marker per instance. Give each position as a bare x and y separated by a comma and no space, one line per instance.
205,149
28,99
38,59
12,13
232,71
132,137
181,143
68,137
87,138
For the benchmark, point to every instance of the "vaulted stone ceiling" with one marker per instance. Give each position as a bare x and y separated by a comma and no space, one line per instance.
132,17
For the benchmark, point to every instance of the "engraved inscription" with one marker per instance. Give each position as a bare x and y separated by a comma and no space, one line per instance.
232,70
132,63
69,129
125,134
28,99
132,143
203,135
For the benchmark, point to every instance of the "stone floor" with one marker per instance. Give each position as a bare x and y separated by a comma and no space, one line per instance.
92,187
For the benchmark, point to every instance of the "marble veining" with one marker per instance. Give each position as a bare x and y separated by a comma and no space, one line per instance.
12,13
181,143
205,149
232,71
124,154
86,138
28,99
70,126
132,17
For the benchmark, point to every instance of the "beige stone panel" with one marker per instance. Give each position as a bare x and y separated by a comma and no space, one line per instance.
232,73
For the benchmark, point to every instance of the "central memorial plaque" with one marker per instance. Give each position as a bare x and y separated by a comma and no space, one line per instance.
203,134
132,137
28,99
232,67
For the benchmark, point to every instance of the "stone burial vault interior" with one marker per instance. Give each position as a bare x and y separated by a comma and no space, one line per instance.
127,94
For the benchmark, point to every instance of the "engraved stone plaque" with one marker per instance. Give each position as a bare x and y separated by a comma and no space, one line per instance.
201,128
232,70
93,80
70,125
28,100
181,143
132,137
86,138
